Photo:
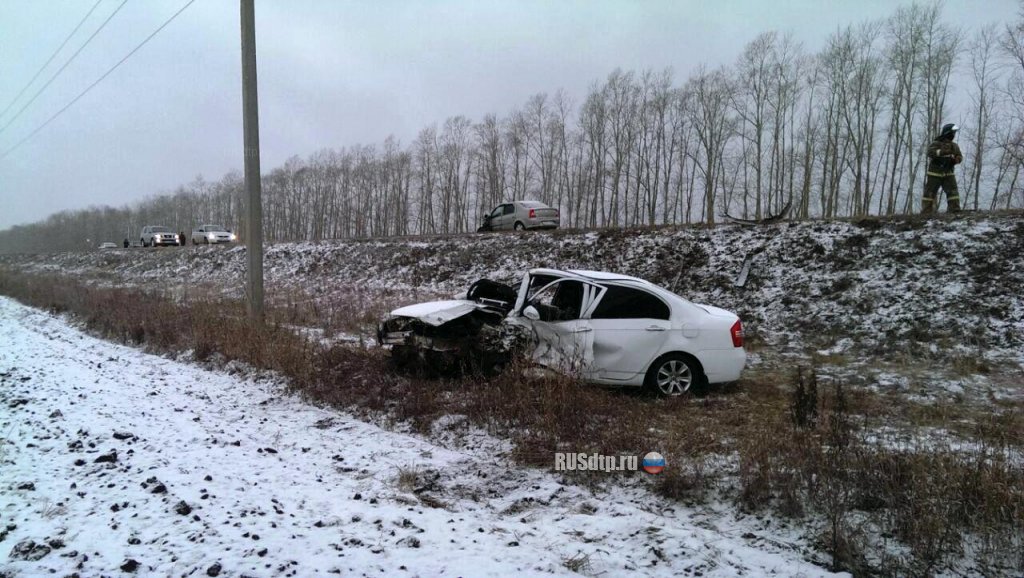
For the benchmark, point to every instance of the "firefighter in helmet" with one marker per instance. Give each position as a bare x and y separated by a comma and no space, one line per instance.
943,155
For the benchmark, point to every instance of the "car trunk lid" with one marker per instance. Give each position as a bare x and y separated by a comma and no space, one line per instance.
716,312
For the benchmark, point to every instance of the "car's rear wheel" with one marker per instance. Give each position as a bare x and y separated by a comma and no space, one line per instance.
519,226
673,374
143,242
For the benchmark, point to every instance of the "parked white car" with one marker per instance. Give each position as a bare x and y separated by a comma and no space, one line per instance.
212,234
605,327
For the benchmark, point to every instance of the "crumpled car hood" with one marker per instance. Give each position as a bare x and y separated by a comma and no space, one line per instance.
437,313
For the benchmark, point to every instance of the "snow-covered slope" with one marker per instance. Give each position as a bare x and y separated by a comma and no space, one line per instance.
877,288
113,459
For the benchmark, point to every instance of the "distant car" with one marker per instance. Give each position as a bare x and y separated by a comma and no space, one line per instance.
156,235
212,234
606,328
519,216
108,245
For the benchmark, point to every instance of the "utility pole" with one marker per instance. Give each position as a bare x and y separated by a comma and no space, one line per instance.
251,133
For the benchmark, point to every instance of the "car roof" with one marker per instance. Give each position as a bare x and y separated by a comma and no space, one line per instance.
604,276
590,275
532,204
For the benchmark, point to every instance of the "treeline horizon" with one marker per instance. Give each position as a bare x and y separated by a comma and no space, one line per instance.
837,133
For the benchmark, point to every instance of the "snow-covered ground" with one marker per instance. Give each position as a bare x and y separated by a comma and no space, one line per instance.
113,460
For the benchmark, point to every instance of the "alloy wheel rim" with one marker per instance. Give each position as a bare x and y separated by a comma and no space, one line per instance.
674,377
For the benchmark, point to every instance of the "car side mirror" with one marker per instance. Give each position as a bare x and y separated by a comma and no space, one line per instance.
531,313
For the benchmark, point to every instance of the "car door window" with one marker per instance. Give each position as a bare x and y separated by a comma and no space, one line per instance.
538,282
498,211
509,209
564,299
561,301
628,303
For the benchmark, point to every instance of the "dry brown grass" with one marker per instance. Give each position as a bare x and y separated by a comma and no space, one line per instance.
806,456
934,498
338,309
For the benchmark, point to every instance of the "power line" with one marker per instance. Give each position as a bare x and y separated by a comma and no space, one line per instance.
54,77
98,80
52,56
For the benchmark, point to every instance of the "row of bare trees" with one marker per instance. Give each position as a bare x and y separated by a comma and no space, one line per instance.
841,132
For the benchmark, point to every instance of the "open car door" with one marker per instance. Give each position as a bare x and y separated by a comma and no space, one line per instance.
555,309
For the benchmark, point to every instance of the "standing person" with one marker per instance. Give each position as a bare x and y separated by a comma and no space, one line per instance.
181,238
126,243
943,155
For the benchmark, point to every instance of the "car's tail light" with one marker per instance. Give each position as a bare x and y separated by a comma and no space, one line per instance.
737,334
533,213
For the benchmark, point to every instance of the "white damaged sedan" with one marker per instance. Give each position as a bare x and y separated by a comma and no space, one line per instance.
607,328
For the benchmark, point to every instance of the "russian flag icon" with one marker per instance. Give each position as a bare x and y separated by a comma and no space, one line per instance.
653,463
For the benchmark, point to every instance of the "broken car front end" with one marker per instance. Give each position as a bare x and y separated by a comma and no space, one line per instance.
455,335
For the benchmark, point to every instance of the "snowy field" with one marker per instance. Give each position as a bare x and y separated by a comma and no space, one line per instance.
116,461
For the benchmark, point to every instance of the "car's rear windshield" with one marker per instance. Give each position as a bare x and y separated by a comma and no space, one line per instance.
533,205
160,229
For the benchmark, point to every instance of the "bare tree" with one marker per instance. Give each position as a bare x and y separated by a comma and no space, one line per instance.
983,93
714,124
517,141
860,84
788,61
490,164
754,72
594,128
426,173
621,94
1011,43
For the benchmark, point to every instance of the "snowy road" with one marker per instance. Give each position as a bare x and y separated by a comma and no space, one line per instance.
113,461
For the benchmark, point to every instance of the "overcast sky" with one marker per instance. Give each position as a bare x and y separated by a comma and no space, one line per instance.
334,73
